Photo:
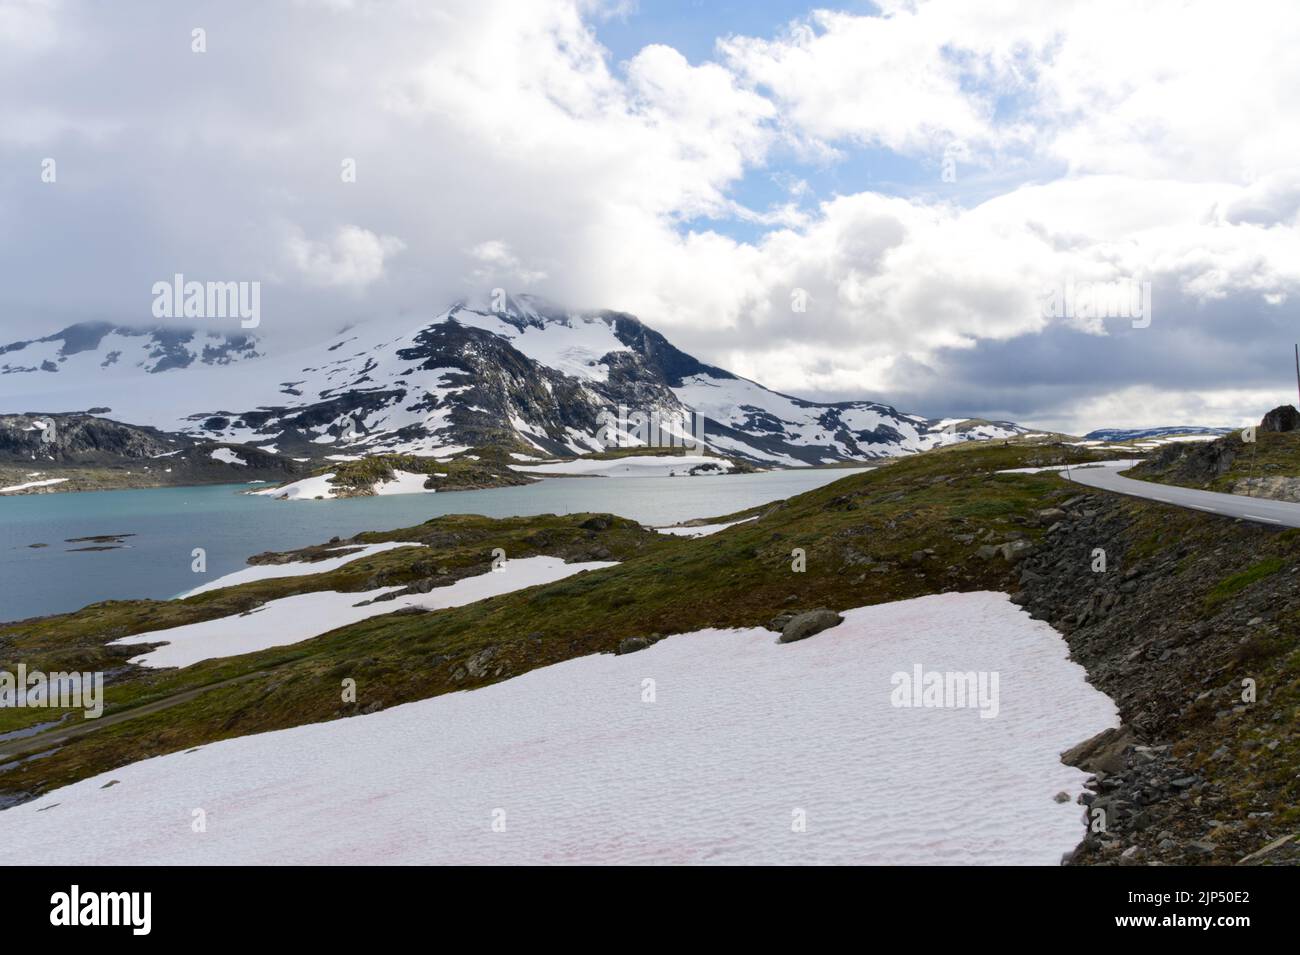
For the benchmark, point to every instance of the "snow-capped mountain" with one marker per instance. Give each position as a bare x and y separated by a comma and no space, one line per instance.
1137,434
527,375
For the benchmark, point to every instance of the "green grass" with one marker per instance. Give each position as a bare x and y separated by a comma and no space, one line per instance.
1237,582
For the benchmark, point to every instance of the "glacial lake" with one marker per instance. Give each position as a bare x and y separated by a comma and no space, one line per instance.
166,524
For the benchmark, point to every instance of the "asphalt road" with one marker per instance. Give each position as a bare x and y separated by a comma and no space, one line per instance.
1258,509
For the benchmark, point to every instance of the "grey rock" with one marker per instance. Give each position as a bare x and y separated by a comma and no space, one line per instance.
477,665
1104,752
804,625
1016,550
1281,418
631,645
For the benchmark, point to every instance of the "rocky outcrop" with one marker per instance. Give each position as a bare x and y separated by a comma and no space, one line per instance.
1273,488
1281,418
1105,752
1191,464
87,452
80,439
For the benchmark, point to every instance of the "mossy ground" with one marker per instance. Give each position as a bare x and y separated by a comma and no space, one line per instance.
1239,581
475,469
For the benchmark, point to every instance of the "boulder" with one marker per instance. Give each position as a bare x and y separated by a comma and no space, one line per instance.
1104,752
778,622
1015,550
1281,418
804,625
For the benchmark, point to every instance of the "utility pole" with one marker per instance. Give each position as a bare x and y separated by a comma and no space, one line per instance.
1297,371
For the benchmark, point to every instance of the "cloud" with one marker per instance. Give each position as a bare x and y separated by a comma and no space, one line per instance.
895,80
352,257
497,143
500,263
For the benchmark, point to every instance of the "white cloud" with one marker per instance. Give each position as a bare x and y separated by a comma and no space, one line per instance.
499,262
28,27
352,257
886,81
503,145
1140,405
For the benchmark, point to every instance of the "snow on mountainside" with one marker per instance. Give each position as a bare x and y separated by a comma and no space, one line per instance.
527,376
1136,434
103,351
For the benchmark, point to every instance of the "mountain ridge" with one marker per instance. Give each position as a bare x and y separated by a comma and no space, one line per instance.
526,376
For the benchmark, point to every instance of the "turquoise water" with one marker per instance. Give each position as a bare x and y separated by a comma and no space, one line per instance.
168,523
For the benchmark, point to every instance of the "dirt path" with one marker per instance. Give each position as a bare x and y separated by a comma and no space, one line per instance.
59,735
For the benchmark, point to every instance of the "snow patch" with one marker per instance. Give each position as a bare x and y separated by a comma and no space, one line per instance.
227,456
278,623
702,530
1126,463
22,487
296,568
744,734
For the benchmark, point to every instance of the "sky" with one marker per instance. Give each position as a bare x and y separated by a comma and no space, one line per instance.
958,208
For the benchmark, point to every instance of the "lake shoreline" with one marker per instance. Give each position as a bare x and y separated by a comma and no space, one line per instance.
170,523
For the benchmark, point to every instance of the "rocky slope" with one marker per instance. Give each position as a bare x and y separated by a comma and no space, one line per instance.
46,453
1190,628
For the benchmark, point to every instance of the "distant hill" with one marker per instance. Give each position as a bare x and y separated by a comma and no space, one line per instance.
1137,434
